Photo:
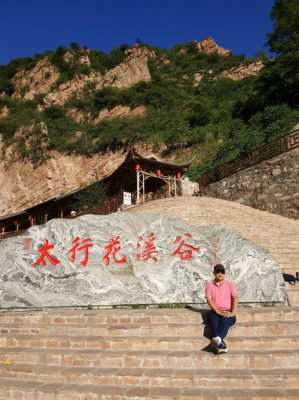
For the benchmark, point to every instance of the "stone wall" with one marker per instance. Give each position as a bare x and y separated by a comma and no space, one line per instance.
272,185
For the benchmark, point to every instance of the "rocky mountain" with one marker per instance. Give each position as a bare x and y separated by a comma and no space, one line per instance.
65,115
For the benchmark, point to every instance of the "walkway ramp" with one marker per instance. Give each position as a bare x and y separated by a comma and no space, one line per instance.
279,235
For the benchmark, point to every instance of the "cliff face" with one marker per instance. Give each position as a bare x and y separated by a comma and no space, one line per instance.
243,71
40,79
209,46
22,184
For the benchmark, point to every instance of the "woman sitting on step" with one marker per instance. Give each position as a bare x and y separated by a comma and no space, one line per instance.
222,297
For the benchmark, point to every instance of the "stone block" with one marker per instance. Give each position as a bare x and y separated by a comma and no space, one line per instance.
171,264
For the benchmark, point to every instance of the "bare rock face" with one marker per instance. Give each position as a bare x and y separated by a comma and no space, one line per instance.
124,75
197,78
67,89
115,112
37,81
243,71
4,112
209,46
144,259
23,186
140,52
120,112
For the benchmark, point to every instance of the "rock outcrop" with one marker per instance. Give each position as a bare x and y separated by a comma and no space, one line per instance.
120,112
4,112
115,112
133,70
167,271
39,80
209,46
243,71
23,186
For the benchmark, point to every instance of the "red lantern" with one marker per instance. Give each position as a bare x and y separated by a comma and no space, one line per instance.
158,172
137,167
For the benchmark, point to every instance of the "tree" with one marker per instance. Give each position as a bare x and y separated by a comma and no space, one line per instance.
279,81
90,198
285,36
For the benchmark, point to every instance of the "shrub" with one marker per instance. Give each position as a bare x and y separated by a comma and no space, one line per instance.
90,198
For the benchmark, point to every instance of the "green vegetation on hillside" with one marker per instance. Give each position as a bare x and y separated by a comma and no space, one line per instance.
218,118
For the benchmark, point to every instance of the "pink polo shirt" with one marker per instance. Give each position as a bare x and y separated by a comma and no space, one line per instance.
221,293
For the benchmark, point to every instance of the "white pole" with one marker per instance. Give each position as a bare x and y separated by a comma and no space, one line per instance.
143,188
138,189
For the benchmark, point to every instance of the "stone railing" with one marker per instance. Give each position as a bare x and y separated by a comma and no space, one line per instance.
262,153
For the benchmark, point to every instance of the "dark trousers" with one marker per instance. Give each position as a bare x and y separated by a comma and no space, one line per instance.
220,325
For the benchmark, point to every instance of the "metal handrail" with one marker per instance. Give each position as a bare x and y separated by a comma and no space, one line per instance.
262,153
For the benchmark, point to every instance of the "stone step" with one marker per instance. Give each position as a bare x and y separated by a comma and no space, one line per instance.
12,389
34,341
272,328
111,317
152,359
293,295
143,377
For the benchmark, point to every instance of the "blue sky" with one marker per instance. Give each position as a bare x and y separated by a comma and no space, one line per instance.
33,26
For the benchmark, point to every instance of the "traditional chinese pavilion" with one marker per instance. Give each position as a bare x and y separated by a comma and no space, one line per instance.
144,177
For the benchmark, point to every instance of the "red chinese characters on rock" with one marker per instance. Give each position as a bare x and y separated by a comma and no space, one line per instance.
184,251
111,250
44,254
82,246
147,249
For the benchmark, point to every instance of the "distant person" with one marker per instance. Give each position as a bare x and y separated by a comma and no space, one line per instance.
222,297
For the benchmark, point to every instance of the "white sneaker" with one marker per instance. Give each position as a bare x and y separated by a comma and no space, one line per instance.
216,341
222,348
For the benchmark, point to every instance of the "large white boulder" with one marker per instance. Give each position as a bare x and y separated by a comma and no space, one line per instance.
173,272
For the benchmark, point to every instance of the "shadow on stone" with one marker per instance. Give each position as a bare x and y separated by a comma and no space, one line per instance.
206,332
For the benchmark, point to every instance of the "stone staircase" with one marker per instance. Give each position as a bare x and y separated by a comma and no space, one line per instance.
140,354
279,235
